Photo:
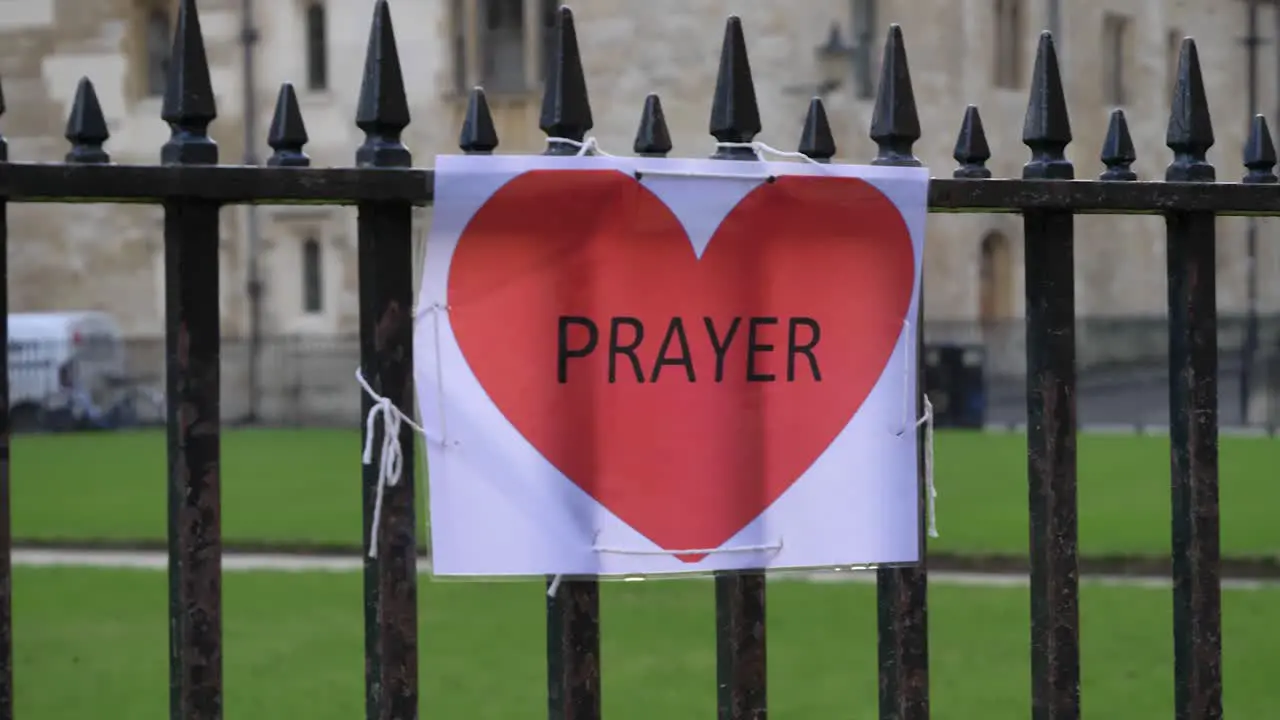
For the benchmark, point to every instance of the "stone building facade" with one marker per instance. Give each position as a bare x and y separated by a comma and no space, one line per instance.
1113,52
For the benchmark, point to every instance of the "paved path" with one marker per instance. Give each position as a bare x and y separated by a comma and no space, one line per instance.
275,562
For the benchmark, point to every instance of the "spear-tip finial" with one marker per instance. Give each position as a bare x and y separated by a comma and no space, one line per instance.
735,116
382,111
288,133
816,140
1118,153
652,137
1046,129
478,136
895,122
566,109
1190,133
972,150
189,104
1260,153
86,127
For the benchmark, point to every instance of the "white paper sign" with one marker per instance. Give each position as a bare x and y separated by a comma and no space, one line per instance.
638,365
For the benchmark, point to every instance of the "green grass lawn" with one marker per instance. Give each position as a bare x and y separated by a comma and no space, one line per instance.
304,486
293,648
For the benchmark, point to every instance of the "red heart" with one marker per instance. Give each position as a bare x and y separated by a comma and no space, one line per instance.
686,464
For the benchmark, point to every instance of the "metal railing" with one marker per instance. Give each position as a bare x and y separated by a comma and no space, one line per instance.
383,187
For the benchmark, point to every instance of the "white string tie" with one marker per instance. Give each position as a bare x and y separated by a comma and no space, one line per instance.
436,309
774,548
762,150
590,144
423,311
908,365
929,486
391,459
586,146
927,421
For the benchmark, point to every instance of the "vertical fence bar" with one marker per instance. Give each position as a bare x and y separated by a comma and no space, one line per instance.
384,256
902,592
192,357
573,610
741,675
1193,408
6,578
86,130
1051,405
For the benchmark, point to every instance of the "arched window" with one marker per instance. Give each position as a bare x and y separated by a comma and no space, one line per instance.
312,277
317,48
158,50
458,20
994,279
550,10
1116,36
502,48
865,28
1172,49
503,45
1008,44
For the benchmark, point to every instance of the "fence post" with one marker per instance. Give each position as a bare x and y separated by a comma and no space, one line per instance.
1051,404
1260,162
902,592
741,674
1193,408
192,349
287,136
6,570
573,612
384,253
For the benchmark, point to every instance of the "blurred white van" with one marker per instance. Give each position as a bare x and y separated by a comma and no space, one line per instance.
50,353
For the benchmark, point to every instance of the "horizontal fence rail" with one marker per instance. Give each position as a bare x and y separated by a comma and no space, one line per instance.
384,187
142,184
975,376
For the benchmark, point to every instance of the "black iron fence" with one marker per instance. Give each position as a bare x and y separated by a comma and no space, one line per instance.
384,186
290,380
305,380
1122,370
